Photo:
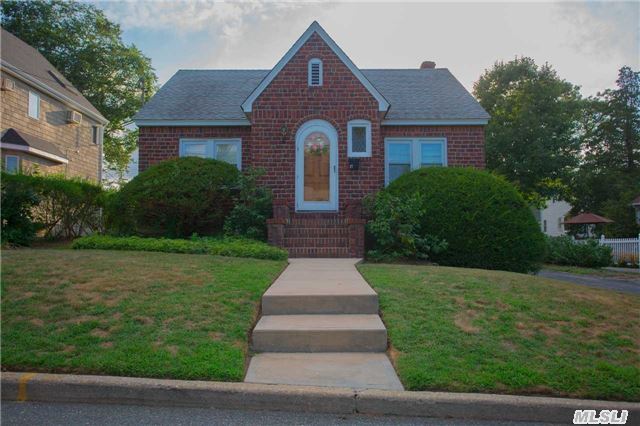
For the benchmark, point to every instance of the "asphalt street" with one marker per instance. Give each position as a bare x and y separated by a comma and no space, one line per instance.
34,413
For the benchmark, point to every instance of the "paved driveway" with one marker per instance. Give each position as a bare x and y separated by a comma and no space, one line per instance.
626,285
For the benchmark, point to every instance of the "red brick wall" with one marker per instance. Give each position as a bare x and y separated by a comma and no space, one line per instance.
289,101
465,144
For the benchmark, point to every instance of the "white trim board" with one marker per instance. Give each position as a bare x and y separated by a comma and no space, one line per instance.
178,123
34,151
383,104
459,122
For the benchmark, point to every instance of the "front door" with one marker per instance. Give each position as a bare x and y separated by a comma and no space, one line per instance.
316,166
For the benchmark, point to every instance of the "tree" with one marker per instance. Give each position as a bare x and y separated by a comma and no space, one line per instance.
531,138
120,155
609,176
612,125
79,40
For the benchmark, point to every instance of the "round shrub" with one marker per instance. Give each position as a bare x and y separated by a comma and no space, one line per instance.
484,220
175,198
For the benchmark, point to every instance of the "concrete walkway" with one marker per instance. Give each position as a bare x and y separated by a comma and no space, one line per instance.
623,285
320,327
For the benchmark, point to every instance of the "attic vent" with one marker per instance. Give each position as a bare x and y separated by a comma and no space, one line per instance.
315,72
7,84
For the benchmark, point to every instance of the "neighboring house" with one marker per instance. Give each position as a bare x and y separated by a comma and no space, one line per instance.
47,125
326,132
552,217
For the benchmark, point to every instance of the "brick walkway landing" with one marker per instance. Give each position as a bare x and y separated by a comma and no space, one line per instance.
320,326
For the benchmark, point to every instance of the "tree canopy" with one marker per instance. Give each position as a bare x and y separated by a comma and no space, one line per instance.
531,138
79,40
609,175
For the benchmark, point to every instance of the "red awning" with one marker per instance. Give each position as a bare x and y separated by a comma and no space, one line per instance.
587,219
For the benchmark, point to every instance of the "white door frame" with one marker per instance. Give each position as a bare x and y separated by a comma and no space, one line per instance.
304,130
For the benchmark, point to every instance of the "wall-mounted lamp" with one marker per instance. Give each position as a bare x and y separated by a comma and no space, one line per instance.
284,132
354,163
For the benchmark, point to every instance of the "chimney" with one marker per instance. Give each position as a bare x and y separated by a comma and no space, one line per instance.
428,65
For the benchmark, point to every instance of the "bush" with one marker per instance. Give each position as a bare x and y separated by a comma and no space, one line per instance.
253,206
61,207
230,247
395,230
588,253
483,218
18,199
175,198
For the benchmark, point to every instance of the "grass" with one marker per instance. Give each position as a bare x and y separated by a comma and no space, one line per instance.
130,313
604,273
233,247
472,330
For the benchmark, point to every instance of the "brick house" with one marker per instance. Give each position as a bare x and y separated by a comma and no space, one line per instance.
326,133
47,125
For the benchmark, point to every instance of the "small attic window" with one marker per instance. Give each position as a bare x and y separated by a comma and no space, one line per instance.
315,72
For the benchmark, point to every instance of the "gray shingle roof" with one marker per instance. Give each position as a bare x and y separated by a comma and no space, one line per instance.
414,94
31,62
202,95
425,94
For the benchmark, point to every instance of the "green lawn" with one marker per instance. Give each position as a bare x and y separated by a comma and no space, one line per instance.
604,273
473,330
130,313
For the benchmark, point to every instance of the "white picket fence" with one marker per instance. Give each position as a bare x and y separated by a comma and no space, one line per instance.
623,249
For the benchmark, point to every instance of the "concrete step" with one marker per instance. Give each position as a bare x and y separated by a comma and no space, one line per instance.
320,286
294,304
320,333
352,370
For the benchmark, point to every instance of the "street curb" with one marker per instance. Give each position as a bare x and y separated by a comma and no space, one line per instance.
159,392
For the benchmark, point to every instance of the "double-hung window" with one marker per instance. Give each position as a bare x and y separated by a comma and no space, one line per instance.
12,163
34,105
229,150
405,154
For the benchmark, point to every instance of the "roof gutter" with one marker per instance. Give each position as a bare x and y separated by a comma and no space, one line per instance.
34,151
195,123
54,93
457,122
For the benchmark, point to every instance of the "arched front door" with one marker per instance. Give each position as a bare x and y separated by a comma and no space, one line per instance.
316,166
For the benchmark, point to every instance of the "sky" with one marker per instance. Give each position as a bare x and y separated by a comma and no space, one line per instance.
586,42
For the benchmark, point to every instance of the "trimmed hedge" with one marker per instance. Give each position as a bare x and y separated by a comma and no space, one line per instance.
485,221
230,247
565,251
58,206
175,198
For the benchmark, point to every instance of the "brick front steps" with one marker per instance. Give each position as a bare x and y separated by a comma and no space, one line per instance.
320,326
324,235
